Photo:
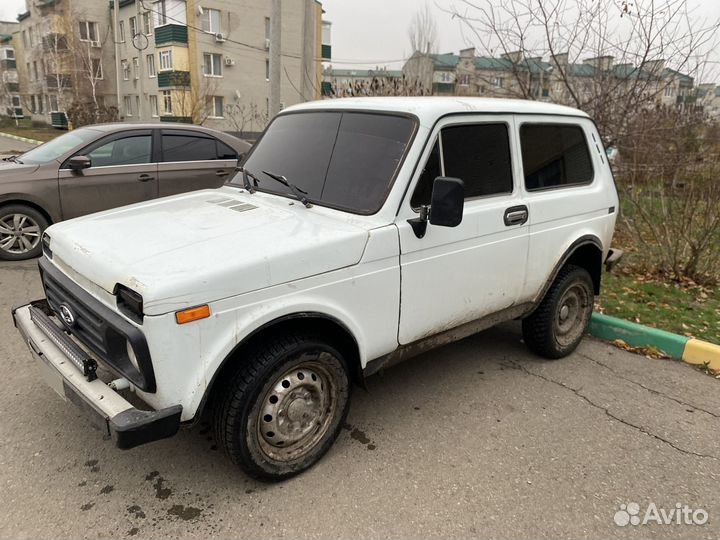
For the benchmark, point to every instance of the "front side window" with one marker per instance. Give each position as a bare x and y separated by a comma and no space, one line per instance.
554,155
60,145
133,150
212,65
343,160
477,154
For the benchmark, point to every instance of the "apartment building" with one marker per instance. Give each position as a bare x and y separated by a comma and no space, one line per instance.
356,82
208,61
10,102
513,75
64,55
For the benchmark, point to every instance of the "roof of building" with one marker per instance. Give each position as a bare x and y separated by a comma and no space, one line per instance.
429,109
446,60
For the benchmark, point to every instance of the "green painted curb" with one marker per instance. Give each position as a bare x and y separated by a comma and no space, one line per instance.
18,138
637,335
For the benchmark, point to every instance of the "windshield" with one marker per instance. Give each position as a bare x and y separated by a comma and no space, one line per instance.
341,159
59,146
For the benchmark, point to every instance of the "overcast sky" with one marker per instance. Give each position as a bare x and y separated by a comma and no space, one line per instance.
375,31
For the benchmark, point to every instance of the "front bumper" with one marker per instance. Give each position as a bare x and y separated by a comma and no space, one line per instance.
113,414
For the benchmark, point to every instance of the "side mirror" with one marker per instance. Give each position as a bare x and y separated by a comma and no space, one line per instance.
446,206
78,163
447,202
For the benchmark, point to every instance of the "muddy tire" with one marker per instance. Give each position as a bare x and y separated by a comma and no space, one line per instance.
21,229
557,326
284,407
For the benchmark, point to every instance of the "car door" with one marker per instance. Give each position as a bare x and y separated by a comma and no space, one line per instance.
122,172
452,276
192,160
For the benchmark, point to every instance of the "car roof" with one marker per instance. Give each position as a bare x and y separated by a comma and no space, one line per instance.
429,109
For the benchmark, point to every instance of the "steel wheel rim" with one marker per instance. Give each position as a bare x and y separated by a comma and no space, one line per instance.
571,315
297,410
19,234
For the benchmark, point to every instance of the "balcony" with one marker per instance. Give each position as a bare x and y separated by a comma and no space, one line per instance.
327,52
171,33
167,79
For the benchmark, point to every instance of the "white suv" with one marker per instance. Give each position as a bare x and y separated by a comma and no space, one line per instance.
356,233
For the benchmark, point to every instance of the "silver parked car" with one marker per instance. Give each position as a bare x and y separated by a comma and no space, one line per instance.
105,166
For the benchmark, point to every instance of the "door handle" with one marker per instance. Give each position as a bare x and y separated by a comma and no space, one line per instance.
516,215
145,178
222,173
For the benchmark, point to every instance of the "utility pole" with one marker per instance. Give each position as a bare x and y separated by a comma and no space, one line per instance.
140,52
275,56
116,38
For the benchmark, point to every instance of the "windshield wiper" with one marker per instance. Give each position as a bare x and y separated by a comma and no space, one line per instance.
246,179
299,193
13,159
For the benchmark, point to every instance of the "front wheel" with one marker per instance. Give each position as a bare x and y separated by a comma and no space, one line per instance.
558,324
21,229
284,407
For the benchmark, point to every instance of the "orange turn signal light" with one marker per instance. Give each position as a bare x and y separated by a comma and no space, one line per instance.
192,314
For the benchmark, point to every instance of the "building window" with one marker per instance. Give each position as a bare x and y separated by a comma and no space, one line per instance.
121,31
40,104
669,91
212,65
161,12
216,105
15,101
35,71
128,105
88,31
96,71
133,27
267,70
150,58
154,106
30,35
167,102
137,105
465,80
32,104
165,60
136,68
267,29
27,68
10,54
147,27
498,82
210,20
125,70
53,102
24,38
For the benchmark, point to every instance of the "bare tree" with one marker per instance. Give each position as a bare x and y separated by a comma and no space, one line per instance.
610,58
422,32
194,101
245,117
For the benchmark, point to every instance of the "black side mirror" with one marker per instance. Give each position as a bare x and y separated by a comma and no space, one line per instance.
78,163
447,202
446,206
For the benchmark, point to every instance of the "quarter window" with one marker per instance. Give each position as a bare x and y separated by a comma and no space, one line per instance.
478,154
554,155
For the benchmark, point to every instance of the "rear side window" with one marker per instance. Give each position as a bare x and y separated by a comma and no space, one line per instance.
554,155
187,148
479,155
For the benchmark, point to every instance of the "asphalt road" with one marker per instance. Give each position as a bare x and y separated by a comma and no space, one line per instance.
477,439
9,147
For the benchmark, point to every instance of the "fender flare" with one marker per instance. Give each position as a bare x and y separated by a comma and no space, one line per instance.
266,326
588,239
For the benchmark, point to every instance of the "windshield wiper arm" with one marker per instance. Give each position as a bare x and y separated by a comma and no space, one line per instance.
246,179
14,159
299,193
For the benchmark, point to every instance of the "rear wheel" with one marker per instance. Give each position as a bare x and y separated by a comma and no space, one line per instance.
284,407
21,229
558,324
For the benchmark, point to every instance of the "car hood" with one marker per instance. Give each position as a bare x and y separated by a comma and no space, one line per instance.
203,246
10,170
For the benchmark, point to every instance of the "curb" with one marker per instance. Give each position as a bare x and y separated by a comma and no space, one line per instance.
18,138
690,350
